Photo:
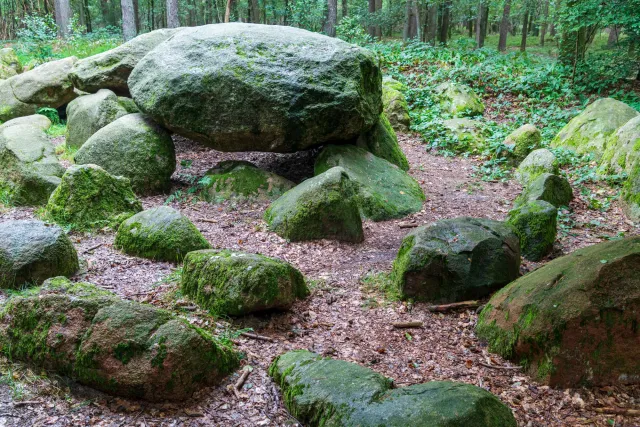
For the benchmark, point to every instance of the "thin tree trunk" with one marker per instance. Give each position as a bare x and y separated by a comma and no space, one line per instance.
444,27
173,20
481,24
378,28
504,26
431,24
63,14
227,12
254,11
545,18
345,8
136,14
87,15
372,10
129,30
332,18
613,36
470,27
525,30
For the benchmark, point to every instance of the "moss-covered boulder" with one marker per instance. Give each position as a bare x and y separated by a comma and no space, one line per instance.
88,197
128,104
234,179
10,106
247,87
6,72
522,141
136,147
239,283
32,251
588,131
465,134
535,223
8,58
381,140
89,113
47,85
548,187
111,69
623,149
458,99
161,233
29,169
456,259
118,347
394,104
538,162
574,321
322,207
630,196
384,190
325,392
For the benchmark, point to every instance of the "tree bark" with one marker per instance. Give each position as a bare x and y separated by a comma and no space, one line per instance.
345,8
372,10
332,18
504,26
227,12
525,30
173,21
481,24
87,16
136,14
444,27
545,18
613,36
254,12
129,29
62,15
431,24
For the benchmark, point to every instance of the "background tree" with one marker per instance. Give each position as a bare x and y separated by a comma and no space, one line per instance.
173,21
63,16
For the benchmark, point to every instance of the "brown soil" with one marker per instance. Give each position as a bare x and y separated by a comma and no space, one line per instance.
346,317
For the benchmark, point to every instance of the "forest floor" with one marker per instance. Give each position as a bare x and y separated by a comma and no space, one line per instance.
347,316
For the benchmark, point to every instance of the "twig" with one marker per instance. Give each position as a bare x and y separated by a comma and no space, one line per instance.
453,306
26,403
212,221
407,225
618,411
402,325
486,365
243,377
235,391
257,337
93,248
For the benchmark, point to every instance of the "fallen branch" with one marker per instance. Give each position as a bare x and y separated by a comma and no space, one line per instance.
257,337
212,221
407,225
243,378
453,306
618,411
404,325
26,403
486,365
93,248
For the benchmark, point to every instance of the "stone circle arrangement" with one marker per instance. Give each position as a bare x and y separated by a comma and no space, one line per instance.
245,87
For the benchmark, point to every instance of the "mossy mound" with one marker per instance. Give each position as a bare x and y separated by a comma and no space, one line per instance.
548,187
522,141
394,104
630,195
535,223
6,72
160,233
239,283
381,141
588,131
623,149
136,147
29,168
249,87
538,162
88,114
458,99
236,179
325,392
465,134
9,59
118,347
574,321
322,207
88,197
456,259
47,85
383,190
32,251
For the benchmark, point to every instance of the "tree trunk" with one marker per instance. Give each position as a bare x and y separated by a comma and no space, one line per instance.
470,27
345,8
444,27
87,15
172,14
136,14
332,18
227,12
545,18
254,12
481,24
525,30
431,24
378,26
613,36
129,29
372,10
410,31
504,26
572,47
63,14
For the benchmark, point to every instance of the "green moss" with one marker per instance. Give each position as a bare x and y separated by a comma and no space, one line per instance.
535,224
382,142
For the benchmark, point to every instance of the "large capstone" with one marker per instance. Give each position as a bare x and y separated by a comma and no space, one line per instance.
32,251
322,207
119,347
10,106
247,87
239,283
384,190
111,69
161,233
574,321
47,85
326,392
457,259
89,113
588,131
135,147
29,169
88,197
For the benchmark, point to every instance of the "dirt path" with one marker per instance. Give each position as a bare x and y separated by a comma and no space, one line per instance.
346,317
